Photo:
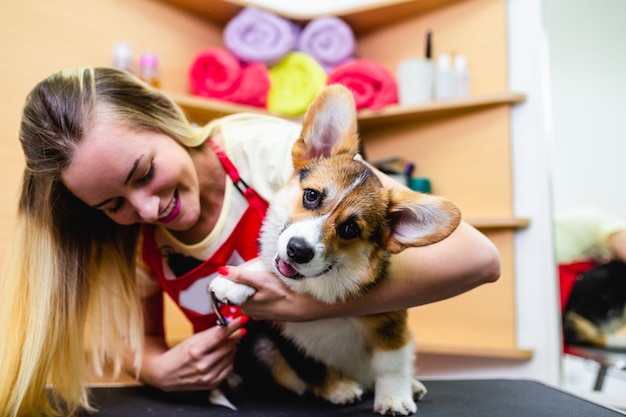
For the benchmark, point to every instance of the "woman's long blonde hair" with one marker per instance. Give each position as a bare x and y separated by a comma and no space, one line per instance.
70,277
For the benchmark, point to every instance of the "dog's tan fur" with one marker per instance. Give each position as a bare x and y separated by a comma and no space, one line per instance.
329,233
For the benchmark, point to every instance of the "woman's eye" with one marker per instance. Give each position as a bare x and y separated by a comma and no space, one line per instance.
311,198
349,230
119,203
148,176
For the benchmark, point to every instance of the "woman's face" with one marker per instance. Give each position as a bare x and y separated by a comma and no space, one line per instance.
135,176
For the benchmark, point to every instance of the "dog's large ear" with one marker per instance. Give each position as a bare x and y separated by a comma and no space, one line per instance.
329,127
419,219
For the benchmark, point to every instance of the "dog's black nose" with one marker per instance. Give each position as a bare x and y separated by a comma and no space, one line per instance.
299,251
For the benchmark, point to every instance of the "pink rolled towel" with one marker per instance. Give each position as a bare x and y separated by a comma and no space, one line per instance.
329,40
216,73
254,35
372,85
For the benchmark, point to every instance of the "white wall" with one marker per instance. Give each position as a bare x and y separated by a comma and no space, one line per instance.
536,281
588,70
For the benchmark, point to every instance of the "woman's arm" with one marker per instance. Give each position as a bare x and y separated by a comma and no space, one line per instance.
417,276
462,261
617,245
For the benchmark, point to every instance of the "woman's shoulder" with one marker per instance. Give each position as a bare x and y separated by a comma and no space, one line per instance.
260,123
260,147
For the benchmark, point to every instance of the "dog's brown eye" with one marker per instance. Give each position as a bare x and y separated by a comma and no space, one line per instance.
311,198
349,230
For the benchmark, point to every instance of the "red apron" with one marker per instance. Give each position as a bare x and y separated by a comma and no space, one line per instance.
242,242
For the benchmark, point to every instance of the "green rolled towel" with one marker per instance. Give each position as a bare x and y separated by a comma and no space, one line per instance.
295,81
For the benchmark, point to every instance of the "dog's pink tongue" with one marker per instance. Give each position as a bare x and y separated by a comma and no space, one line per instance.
286,269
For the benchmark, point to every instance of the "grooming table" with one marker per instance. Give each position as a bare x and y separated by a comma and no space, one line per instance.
467,398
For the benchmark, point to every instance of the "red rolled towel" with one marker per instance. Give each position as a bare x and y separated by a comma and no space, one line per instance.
372,85
216,73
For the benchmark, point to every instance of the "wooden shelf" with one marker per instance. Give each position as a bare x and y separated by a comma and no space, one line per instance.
361,19
475,351
452,107
201,110
499,223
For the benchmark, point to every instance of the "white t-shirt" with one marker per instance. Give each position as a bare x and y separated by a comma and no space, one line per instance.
583,234
260,148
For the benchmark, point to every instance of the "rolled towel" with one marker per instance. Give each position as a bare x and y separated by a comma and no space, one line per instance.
295,81
216,73
372,85
330,40
254,35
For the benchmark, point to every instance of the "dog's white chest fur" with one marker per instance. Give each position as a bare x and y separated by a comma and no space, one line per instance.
339,342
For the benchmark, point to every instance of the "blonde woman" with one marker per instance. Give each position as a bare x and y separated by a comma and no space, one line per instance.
123,199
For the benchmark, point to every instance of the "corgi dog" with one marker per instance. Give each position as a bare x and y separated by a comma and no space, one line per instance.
329,233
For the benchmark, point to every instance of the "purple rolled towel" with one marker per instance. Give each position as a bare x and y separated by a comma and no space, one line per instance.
329,40
254,35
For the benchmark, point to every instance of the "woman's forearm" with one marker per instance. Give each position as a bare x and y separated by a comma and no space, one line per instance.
462,261
417,276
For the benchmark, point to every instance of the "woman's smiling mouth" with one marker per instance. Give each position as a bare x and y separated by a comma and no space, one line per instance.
172,210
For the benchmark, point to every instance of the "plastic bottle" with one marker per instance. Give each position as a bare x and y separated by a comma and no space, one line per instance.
444,78
149,68
415,81
461,76
415,78
122,56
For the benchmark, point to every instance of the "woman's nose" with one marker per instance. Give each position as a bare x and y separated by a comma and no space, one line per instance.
146,206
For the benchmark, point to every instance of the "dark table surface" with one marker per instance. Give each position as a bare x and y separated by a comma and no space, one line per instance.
450,398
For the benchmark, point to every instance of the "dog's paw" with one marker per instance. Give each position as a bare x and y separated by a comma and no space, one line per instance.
419,390
394,404
229,292
344,392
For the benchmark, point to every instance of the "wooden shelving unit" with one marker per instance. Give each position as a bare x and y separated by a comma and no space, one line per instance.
202,110
477,351
462,145
499,223
443,108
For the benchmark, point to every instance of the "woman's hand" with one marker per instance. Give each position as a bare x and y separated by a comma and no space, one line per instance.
273,300
200,362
